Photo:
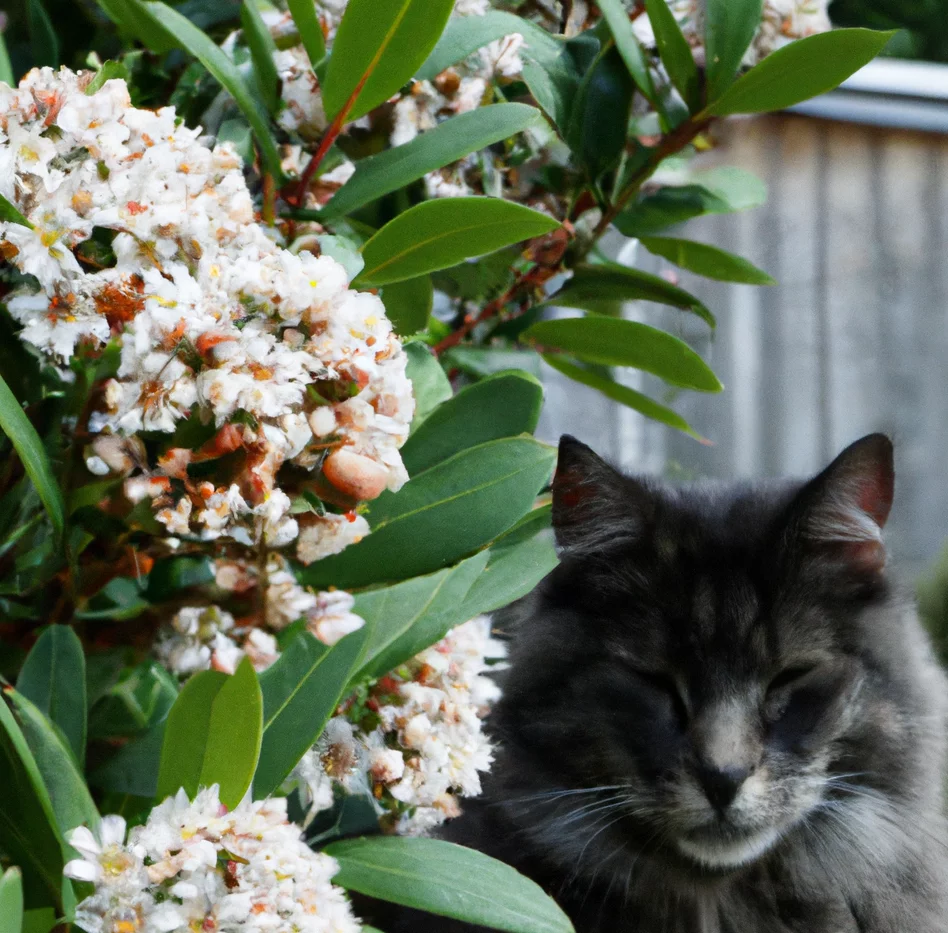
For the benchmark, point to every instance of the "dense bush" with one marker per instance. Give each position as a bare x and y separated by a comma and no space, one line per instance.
259,268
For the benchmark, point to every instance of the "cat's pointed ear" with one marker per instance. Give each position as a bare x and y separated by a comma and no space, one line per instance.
844,509
594,506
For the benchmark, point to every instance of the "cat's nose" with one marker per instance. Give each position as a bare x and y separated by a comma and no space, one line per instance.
721,784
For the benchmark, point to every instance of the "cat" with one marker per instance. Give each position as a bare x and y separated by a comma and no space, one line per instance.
720,714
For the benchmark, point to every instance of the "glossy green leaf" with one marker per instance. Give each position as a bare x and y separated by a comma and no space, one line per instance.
53,677
709,261
801,70
616,342
6,68
262,47
657,210
301,690
139,699
603,289
378,48
675,52
172,574
519,560
443,514
554,73
29,447
446,143
440,233
481,362
11,901
599,126
109,71
408,617
429,384
408,304
728,29
27,822
227,74
133,17
134,768
464,35
213,735
310,29
44,42
622,394
449,880
504,405
616,15
68,793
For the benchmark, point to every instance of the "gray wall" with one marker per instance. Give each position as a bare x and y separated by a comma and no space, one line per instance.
854,338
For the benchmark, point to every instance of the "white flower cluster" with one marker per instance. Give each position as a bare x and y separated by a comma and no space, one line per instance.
196,866
426,745
783,21
217,322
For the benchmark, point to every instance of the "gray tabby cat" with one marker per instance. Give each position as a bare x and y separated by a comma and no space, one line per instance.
721,716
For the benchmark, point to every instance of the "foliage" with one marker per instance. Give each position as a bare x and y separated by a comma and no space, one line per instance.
175,569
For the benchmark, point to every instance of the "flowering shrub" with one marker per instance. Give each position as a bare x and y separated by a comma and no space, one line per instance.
273,307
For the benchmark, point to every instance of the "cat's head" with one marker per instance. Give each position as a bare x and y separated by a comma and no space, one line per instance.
722,660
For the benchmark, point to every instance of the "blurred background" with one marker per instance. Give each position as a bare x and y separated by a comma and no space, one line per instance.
854,338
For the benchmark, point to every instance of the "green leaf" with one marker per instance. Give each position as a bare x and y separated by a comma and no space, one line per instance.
616,342
481,362
445,513
666,207
599,126
675,52
622,394
53,677
192,39
11,899
709,261
109,71
801,70
262,47
392,169
26,442
464,35
377,49
553,73
27,822
131,16
408,304
519,560
173,574
41,920
429,384
6,68
301,690
728,29
142,697
504,405
733,188
213,735
448,880
344,250
310,30
441,233
620,26
44,42
603,289
408,617
134,768
70,798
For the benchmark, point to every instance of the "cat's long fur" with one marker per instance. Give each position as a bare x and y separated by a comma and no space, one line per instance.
709,643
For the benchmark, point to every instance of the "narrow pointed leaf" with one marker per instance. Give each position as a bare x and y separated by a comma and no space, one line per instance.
444,514
262,47
616,342
379,46
449,880
211,56
801,70
620,26
452,140
53,677
729,28
504,405
131,16
11,901
10,213
6,68
310,29
301,690
44,42
675,52
622,394
709,261
441,233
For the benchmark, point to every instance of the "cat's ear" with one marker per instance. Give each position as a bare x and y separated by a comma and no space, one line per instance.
844,509
594,506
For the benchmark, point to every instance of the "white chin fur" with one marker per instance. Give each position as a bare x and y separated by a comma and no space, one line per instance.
730,854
